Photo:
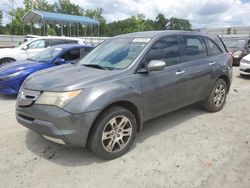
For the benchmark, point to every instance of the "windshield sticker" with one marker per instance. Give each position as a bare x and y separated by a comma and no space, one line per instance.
141,40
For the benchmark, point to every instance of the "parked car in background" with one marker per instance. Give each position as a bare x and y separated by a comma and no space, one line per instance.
34,46
13,74
238,47
103,99
30,37
245,66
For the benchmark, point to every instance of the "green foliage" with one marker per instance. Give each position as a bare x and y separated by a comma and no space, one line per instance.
179,24
133,24
1,17
160,22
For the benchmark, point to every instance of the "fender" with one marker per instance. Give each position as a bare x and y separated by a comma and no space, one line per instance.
101,95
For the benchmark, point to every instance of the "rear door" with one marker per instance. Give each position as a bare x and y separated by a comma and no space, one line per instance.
163,91
199,67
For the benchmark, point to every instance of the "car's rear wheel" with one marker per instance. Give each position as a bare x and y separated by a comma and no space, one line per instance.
113,133
217,97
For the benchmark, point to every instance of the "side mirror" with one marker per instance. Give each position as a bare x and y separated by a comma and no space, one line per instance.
156,65
59,61
25,48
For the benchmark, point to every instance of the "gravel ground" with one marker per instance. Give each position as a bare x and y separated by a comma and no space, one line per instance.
186,148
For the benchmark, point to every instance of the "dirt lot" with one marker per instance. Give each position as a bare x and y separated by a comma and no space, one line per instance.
186,148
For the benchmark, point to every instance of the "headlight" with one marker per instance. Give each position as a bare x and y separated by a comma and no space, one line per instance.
59,99
237,54
10,76
244,61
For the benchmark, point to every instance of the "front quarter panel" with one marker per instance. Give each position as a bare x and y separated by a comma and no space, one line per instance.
101,95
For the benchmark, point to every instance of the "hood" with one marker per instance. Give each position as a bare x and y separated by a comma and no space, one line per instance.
247,57
67,77
19,66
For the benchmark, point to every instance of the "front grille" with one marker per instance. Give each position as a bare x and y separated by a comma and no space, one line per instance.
247,70
27,97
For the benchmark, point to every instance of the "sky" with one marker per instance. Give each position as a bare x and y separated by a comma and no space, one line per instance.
201,13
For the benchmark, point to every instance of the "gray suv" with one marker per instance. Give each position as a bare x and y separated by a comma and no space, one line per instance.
102,100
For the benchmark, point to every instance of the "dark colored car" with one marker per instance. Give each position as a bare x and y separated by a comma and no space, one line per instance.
103,100
13,74
238,47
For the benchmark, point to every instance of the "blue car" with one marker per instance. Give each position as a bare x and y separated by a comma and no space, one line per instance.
13,74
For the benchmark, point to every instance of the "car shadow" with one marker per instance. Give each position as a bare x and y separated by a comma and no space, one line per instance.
245,77
8,97
68,156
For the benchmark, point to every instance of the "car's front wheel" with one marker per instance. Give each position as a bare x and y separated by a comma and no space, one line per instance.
217,97
113,133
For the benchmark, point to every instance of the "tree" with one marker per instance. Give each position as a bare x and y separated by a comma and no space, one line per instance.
97,15
178,24
1,17
229,31
160,22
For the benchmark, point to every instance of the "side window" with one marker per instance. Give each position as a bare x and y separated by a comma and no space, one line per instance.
212,48
85,51
166,49
192,48
37,44
71,55
53,42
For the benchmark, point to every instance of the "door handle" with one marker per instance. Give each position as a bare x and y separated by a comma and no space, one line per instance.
212,63
180,72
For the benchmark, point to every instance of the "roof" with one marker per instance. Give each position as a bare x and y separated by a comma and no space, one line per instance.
36,16
72,46
151,34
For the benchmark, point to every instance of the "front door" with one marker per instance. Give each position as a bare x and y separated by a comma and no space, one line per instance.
163,91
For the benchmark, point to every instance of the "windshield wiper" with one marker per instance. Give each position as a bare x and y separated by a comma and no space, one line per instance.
95,66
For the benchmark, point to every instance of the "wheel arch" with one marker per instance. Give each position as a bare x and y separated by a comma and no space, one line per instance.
227,80
125,104
12,59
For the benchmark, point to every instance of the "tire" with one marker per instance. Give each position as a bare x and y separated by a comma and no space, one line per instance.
110,142
217,97
5,61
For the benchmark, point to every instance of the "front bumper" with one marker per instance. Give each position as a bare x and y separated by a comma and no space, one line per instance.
10,87
57,125
244,68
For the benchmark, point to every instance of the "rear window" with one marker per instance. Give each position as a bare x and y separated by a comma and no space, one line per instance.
192,48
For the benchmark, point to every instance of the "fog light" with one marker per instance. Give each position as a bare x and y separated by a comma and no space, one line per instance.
56,140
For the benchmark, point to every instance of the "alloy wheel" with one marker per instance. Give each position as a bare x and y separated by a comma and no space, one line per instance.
116,134
219,95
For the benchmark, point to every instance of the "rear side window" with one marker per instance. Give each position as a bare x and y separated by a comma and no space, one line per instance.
166,49
192,48
212,48
53,42
71,55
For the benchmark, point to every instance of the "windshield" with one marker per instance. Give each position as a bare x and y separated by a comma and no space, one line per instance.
116,53
234,43
46,55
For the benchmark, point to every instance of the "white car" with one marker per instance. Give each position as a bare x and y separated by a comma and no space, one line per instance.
33,46
245,65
